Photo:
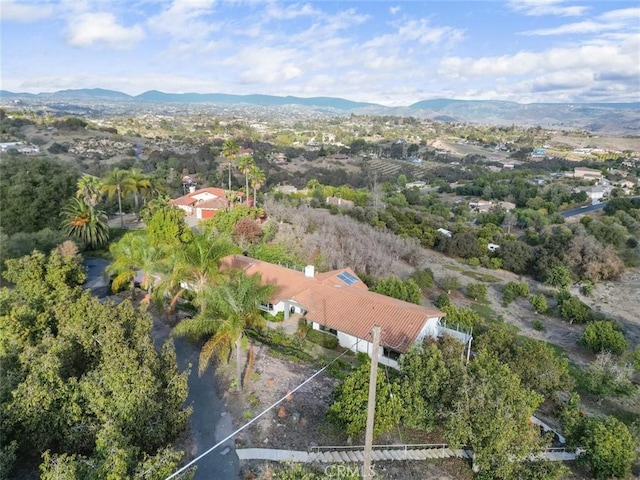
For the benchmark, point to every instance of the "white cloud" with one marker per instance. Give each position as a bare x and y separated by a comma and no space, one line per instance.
182,20
394,10
11,11
278,12
418,31
88,29
596,57
623,14
576,28
538,8
609,21
266,64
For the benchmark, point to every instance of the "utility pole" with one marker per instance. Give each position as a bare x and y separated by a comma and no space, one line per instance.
371,405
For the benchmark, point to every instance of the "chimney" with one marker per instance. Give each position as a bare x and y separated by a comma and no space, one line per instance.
309,271
192,188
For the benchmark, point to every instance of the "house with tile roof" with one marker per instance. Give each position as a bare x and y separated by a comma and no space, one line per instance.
339,303
205,202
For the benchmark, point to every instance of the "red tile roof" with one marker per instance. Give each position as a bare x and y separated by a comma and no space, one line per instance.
351,309
212,203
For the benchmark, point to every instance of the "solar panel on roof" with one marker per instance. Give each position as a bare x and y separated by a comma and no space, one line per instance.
347,278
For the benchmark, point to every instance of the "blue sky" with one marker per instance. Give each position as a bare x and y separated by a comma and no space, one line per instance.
392,53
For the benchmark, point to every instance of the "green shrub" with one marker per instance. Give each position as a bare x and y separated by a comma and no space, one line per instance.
562,296
537,324
610,448
477,291
601,336
392,286
473,261
574,310
513,290
423,277
323,339
496,263
539,303
635,358
587,289
559,276
442,301
450,283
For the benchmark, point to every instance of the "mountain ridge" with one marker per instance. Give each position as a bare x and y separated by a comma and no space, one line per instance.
601,116
266,100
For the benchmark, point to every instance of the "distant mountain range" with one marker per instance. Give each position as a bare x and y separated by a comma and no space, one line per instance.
605,117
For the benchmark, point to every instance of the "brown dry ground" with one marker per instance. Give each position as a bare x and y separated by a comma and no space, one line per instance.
301,420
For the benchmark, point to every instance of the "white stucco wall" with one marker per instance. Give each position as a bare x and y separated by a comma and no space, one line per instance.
359,345
430,329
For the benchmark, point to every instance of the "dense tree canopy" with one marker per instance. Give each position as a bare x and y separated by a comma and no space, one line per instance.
32,193
491,415
82,384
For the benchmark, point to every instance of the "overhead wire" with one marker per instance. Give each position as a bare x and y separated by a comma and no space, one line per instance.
272,406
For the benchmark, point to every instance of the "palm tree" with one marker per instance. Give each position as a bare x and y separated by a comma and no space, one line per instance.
85,223
245,164
117,183
139,184
235,306
134,253
230,151
194,266
89,190
257,180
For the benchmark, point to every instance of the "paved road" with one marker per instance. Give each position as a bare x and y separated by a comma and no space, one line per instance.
209,421
96,280
583,210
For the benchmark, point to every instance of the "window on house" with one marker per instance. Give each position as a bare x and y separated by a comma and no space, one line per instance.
391,353
332,331
267,306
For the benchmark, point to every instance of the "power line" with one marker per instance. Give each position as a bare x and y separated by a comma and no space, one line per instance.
230,436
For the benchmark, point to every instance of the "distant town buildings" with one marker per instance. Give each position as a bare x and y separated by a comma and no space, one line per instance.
19,147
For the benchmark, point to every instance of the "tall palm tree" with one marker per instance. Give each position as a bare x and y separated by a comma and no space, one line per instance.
134,253
257,178
139,184
235,306
245,164
85,223
116,184
89,190
230,151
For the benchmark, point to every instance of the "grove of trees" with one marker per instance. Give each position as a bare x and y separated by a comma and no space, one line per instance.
84,392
